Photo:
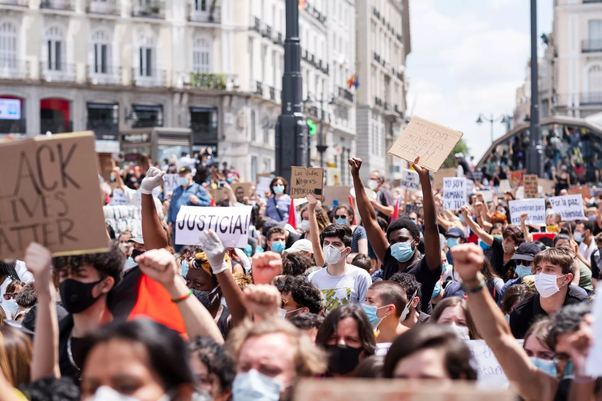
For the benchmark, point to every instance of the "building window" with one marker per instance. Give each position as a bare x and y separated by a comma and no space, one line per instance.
101,52
594,30
201,55
103,119
594,79
148,115
253,123
146,57
267,166
56,49
200,5
253,168
8,46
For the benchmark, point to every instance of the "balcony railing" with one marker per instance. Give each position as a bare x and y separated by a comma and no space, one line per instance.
149,77
258,88
378,102
591,45
149,9
377,57
345,94
111,7
305,55
376,13
195,15
18,3
212,81
399,38
12,68
203,133
272,93
398,111
57,72
103,75
256,24
267,32
278,39
591,98
400,76
55,126
68,5
104,130
386,106
592,1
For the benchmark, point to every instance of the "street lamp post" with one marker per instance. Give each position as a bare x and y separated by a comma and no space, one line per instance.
321,145
482,117
535,150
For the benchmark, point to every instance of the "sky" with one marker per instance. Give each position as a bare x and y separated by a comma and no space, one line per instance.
469,57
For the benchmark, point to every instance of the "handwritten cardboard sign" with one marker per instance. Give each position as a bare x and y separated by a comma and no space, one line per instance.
410,180
504,187
490,374
440,175
535,209
241,189
170,183
336,192
569,207
231,224
49,193
431,141
531,186
306,181
389,390
454,193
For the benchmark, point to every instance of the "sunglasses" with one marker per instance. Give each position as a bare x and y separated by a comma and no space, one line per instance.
285,303
341,216
10,296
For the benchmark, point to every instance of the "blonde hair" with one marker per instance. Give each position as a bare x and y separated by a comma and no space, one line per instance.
16,353
309,359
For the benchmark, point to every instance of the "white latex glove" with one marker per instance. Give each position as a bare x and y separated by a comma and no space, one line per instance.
215,251
154,178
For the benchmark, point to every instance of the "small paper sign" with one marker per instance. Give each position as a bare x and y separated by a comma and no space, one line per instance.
535,209
431,141
336,192
504,187
487,196
410,180
170,183
119,198
440,175
307,181
263,185
231,224
531,186
569,207
454,193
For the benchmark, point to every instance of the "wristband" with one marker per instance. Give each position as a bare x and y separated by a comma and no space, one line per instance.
182,298
474,289
220,269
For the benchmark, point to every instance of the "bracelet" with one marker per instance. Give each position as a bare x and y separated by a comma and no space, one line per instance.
182,298
479,286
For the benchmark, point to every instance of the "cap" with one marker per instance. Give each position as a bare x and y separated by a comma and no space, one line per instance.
137,240
526,251
185,169
456,233
460,155
302,245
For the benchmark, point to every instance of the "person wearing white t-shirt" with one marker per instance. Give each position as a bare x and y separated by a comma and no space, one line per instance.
584,236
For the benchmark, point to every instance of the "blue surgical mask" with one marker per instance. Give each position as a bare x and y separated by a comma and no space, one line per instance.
483,245
131,263
451,242
508,318
278,189
578,237
462,219
248,250
592,217
278,246
402,251
371,313
183,181
414,221
10,306
523,271
184,266
341,221
253,385
437,289
568,369
544,365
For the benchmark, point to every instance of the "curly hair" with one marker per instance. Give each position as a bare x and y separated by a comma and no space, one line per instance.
306,321
303,292
411,286
216,359
108,264
295,263
27,297
404,223
567,320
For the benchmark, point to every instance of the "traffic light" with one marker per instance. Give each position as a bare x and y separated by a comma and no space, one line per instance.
312,127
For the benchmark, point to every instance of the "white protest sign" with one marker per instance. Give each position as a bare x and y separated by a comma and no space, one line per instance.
469,186
231,224
490,374
593,367
569,207
410,180
263,185
454,193
504,187
487,196
535,209
172,181
118,198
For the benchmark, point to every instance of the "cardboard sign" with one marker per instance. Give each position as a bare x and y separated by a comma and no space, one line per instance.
515,178
389,390
306,181
569,207
454,193
118,198
535,209
338,192
431,141
170,183
410,180
583,191
504,187
231,224
490,374
531,186
593,367
263,186
241,189
548,187
49,193
440,175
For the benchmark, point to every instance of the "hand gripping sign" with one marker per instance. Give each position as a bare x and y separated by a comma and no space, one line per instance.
231,224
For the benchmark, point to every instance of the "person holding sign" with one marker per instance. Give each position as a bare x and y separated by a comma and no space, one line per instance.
384,204
277,205
398,249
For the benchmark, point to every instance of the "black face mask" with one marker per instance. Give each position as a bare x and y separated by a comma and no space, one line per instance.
136,253
342,359
76,296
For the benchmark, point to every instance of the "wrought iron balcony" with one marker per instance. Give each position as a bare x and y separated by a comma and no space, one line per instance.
345,94
386,106
272,93
378,102
267,32
110,7
17,3
256,24
68,5
57,72
12,68
398,111
204,132
212,15
591,98
103,75
149,77
258,88
377,57
149,9
278,39
591,45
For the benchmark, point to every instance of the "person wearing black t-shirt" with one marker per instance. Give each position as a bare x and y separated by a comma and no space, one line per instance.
553,275
398,250
502,250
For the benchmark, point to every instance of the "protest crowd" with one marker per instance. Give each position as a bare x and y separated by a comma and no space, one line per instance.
213,288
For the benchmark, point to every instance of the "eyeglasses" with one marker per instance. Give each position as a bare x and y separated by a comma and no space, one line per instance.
285,303
341,216
10,296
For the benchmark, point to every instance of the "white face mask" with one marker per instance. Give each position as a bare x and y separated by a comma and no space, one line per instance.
546,284
406,310
105,393
304,225
331,254
461,331
372,184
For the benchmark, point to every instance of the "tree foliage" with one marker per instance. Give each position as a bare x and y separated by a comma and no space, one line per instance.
461,147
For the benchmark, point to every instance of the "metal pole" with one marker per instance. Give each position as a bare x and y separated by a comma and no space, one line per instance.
492,128
291,128
321,150
534,152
